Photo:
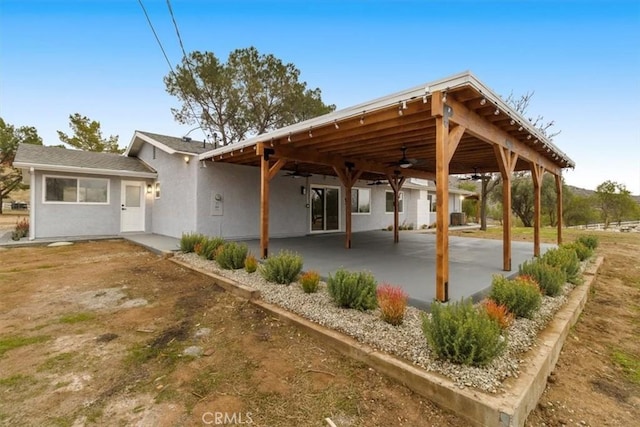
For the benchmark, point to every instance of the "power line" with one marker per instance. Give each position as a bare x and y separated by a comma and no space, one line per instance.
164,53
189,67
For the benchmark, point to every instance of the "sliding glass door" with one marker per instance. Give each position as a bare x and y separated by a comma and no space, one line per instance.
325,208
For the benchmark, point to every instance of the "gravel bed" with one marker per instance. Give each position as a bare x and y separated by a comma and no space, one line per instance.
405,341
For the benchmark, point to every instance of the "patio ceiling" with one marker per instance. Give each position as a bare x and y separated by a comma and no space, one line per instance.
371,136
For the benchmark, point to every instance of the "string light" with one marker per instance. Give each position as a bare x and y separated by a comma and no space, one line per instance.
335,123
400,112
520,129
310,134
512,122
483,101
362,118
495,113
424,99
444,97
289,137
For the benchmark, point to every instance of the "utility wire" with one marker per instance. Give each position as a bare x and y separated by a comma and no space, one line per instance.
190,68
164,53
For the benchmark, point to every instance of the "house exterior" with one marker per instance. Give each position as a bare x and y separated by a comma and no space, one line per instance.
159,186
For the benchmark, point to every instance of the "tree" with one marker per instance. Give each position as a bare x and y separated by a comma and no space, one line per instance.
488,184
522,202
87,136
615,202
578,210
10,137
521,105
469,206
249,95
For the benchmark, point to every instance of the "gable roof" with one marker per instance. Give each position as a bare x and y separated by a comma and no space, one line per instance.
59,159
168,144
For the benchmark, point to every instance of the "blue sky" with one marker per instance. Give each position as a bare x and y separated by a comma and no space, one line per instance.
99,58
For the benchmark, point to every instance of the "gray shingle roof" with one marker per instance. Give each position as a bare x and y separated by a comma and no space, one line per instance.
30,154
178,144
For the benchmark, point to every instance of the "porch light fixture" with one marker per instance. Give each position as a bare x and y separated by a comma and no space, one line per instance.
187,159
149,188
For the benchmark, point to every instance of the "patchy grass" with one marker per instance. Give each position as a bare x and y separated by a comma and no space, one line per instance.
77,317
57,362
10,343
629,363
17,380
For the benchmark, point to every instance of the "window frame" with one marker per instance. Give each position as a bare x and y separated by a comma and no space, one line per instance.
77,179
156,190
400,198
357,205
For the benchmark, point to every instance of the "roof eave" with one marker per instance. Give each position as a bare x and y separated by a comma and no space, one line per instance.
88,171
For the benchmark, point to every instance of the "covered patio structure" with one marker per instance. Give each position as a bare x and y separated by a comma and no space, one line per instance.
455,125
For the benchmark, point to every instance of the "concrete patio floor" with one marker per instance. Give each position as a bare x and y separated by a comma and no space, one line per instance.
410,263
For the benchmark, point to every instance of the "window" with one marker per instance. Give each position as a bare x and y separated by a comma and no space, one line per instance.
360,200
76,190
432,202
389,202
157,190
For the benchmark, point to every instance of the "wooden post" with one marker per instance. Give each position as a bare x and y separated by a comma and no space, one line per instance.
266,174
442,211
537,172
264,205
506,162
348,177
396,182
559,205
446,144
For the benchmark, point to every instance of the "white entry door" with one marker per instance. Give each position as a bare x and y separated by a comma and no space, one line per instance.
132,206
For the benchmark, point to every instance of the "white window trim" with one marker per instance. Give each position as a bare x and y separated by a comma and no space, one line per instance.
370,208
77,202
157,188
400,196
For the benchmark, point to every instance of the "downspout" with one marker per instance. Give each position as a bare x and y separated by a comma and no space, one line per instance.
32,202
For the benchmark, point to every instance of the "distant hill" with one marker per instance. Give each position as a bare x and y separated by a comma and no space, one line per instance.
586,193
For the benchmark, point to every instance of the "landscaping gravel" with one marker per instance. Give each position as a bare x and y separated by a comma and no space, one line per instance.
405,341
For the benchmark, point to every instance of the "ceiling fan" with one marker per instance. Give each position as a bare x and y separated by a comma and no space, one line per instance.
295,173
404,161
475,176
377,182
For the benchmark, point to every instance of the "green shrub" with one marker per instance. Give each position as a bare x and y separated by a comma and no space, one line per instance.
566,260
462,334
589,241
521,295
310,281
582,250
209,246
231,255
548,277
283,268
188,241
353,289
250,264
21,230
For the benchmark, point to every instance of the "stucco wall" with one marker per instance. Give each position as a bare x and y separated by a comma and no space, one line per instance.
77,219
174,212
238,213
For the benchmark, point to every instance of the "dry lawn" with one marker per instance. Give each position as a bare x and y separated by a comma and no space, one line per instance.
94,333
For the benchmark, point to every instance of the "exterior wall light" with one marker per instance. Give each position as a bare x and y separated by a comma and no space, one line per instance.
186,159
149,188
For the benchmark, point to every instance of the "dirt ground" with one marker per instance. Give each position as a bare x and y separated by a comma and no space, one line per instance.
95,333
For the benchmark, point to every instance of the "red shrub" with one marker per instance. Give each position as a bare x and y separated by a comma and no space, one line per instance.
499,313
392,301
